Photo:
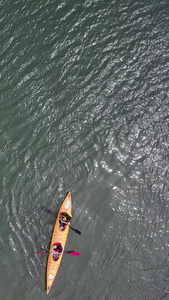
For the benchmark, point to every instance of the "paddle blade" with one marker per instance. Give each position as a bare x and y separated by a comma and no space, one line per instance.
75,230
40,252
78,231
47,210
73,253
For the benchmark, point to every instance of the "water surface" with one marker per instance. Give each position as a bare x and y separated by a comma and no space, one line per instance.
84,107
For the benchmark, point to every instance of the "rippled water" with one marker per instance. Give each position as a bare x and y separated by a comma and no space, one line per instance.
84,107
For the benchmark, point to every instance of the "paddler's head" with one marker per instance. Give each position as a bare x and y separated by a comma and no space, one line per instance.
66,217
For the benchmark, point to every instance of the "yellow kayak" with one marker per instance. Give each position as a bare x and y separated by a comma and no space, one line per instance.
58,241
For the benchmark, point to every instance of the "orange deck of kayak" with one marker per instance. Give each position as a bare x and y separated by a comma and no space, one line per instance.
57,236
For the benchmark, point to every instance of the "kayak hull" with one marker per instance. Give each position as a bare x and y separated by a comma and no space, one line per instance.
58,236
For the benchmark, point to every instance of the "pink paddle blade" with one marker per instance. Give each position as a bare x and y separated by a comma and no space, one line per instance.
74,253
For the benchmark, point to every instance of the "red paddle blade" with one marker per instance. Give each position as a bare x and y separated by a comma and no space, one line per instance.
38,252
74,253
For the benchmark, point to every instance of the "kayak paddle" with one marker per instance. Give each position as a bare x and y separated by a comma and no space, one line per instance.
47,210
69,252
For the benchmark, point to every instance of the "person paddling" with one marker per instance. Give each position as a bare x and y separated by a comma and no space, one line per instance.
64,219
57,250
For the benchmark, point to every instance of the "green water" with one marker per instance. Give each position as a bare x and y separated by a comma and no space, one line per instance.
84,107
